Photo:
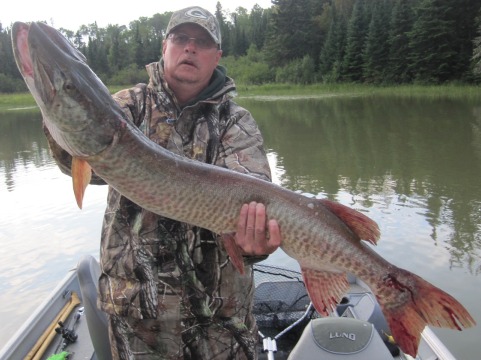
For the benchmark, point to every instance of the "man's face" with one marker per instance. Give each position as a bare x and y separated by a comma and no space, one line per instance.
189,63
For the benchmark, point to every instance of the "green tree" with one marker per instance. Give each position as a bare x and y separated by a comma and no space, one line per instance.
7,61
352,67
137,47
117,48
298,71
332,52
10,78
464,16
433,41
402,18
258,18
225,29
154,35
318,29
344,7
240,24
289,28
476,59
376,50
96,55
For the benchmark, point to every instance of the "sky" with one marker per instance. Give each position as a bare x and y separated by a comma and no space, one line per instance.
72,14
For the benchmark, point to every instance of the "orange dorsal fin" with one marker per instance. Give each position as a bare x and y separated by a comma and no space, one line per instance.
81,175
325,288
234,252
364,227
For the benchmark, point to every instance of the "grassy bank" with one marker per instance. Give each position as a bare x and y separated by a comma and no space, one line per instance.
407,91
25,100
16,101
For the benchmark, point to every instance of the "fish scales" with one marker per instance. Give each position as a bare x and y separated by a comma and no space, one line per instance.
323,236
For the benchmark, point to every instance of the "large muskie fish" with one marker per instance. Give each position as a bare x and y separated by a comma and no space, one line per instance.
323,236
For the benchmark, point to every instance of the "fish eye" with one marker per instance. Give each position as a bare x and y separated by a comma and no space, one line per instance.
68,86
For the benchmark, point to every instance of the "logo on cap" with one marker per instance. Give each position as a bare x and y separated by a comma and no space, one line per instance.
197,13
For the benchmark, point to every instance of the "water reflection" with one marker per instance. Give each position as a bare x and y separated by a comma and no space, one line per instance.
421,151
21,143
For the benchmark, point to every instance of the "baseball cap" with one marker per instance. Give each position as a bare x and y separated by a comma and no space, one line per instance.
199,16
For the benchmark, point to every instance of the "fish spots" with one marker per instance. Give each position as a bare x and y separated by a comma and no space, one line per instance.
310,205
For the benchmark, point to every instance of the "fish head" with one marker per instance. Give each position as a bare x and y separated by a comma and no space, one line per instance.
71,97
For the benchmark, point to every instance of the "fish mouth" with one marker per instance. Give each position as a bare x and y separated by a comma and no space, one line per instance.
32,70
21,48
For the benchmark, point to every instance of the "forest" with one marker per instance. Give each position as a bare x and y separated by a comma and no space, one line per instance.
380,42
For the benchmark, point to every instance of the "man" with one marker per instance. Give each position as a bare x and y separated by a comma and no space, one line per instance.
168,287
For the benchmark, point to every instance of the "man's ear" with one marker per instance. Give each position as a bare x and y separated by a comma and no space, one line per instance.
164,45
218,56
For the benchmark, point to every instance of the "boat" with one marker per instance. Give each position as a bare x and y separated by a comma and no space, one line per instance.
68,325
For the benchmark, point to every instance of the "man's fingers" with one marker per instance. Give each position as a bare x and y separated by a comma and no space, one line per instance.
251,221
256,236
260,225
241,224
274,236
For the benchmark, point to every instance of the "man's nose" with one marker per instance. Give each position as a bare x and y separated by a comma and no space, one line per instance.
191,46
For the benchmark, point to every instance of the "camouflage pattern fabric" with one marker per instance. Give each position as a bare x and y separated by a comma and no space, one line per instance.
199,16
167,286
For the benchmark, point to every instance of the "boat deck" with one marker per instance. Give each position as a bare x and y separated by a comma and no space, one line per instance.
273,313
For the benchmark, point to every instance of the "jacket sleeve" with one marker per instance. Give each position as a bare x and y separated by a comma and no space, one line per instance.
243,146
131,101
243,151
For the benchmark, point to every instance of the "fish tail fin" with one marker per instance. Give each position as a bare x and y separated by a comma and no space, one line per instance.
412,303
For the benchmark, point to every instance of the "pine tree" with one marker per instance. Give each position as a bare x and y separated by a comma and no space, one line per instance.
258,19
7,61
402,18
376,50
332,52
477,53
224,29
289,29
352,67
464,17
432,41
137,46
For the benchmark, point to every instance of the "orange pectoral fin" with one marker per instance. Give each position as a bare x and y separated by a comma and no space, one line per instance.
233,251
325,288
81,175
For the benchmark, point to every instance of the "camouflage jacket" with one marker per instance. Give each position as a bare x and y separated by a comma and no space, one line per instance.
153,266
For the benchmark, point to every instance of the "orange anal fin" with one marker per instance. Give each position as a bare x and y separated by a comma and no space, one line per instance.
234,252
325,289
364,227
81,175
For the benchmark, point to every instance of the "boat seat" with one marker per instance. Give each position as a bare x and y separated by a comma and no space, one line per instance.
340,338
88,273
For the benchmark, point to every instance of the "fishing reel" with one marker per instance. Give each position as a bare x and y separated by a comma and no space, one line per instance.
67,334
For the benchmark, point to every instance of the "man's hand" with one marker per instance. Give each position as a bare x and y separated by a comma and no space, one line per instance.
256,236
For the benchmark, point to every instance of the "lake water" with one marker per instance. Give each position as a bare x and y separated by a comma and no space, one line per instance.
414,166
